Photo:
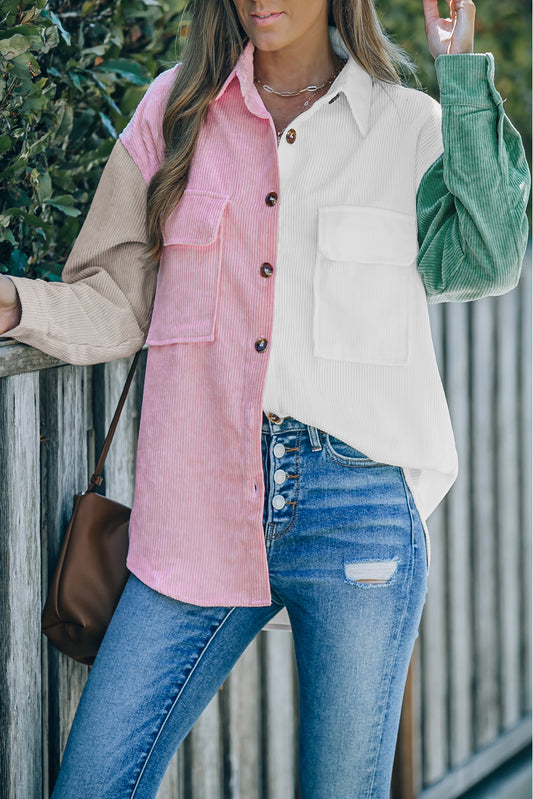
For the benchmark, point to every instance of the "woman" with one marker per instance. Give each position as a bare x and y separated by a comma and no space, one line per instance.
291,445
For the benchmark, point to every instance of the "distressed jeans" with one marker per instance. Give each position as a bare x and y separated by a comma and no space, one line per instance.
347,557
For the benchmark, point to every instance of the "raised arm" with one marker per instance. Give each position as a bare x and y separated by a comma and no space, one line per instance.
472,200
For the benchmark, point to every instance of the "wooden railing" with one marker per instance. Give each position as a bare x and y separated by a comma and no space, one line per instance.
467,703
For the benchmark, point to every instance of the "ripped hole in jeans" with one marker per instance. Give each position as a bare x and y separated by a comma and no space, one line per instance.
370,572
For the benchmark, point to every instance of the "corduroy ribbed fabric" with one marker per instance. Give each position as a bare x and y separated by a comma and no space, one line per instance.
349,348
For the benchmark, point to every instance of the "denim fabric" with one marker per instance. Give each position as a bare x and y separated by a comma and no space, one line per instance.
347,557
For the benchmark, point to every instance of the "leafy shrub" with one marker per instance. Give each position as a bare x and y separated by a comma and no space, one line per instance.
70,76
72,71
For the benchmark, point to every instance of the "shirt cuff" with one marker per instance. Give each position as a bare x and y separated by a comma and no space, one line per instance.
467,79
34,319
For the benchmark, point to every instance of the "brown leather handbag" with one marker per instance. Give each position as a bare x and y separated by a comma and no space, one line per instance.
91,572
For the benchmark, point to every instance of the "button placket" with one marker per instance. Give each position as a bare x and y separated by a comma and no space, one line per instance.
285,487
266,270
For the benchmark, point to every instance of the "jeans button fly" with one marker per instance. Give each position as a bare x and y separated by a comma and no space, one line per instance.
280,475
279,451
278,502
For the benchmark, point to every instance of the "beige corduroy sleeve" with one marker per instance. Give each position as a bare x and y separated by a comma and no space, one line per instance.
102,309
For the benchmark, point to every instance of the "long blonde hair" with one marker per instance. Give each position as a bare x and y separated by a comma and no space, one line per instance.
216,40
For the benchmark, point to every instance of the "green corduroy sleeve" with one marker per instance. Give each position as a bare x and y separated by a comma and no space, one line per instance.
471,202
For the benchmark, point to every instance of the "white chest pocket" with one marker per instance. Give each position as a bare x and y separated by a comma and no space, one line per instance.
364,281
186,299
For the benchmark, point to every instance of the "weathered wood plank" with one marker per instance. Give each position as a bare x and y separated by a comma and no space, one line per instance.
241,713
279,714
119,470
170,787
433,642
20,590
204,775
17,359
459,567
418,744
525,443
63,473
434,658
458,782
508,507
405,765
486,693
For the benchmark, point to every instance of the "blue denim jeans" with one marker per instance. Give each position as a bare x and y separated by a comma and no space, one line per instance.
347,557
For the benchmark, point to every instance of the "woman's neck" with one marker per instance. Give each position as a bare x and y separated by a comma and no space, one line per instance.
296,66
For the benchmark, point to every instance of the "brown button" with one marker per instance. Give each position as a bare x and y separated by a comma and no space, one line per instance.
261,344
274,418
271,198
267,270
291,136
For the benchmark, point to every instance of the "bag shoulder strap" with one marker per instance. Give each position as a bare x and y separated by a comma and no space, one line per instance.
97,479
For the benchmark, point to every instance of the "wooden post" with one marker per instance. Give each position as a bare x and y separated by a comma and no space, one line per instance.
20,590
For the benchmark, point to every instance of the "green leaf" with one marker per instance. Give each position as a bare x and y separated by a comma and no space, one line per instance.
25,67
99,49
134,72
57,22
64,203
30,219
14,46
7,235
108,125
104,89
9,6
5,143
64,121
44,187
29,32
17,263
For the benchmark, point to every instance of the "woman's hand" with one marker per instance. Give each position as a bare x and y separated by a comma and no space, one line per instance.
453,35
10,308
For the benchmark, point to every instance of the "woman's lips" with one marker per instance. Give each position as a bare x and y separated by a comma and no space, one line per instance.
263,19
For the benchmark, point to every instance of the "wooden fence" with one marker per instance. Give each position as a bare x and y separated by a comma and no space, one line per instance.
467,703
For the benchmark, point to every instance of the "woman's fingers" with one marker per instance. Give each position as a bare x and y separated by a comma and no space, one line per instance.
462,40
8,293
431,11
10,309
452,35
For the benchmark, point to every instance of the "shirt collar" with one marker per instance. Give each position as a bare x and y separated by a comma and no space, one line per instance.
353,81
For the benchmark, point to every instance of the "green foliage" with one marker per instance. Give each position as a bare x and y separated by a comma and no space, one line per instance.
72,71
70,76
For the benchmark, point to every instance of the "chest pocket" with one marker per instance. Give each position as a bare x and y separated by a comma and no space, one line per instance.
363,285
186,299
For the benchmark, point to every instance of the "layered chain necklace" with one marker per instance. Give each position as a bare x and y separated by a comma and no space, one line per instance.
311,90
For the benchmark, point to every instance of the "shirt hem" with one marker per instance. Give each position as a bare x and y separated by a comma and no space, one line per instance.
192,599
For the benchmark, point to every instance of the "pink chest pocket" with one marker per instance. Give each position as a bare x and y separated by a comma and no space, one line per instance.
186,299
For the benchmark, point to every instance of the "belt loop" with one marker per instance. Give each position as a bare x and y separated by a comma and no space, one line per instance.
314,438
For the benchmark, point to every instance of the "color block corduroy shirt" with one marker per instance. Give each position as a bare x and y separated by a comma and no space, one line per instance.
363,214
